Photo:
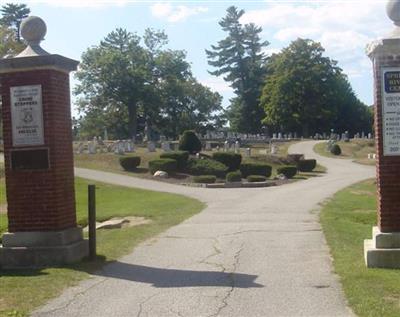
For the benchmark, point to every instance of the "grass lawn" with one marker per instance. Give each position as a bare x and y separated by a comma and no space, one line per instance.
347,220
357,150
22,291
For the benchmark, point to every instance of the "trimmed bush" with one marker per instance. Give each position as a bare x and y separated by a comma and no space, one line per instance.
256,178
166,165
336,150
206,167
306,165
205,179
255,169
189,142
180,157
232,160
129,163
288,171
294,158
235,176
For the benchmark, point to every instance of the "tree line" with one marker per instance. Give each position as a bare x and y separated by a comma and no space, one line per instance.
134,85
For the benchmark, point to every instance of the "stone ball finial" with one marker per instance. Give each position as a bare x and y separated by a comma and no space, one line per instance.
33,30
393,11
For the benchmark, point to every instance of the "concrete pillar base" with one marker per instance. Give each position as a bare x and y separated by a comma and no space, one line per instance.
383,251
39,249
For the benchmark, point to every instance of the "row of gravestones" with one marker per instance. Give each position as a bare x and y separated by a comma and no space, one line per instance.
210,135
118,147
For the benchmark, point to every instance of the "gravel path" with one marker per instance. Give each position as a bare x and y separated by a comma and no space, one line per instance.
251,252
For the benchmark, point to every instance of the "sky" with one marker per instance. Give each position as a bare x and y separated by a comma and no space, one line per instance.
344,28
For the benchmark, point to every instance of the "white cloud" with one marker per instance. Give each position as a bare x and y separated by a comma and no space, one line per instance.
165,10
217,84
268,51
79,3
343,28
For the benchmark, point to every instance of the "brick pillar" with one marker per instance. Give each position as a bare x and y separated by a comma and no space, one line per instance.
38,156
384,248
41,199
386,62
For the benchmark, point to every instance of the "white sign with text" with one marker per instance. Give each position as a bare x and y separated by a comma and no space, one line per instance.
27,115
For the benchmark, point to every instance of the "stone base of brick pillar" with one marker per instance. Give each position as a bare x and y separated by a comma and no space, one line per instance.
39,249
383,250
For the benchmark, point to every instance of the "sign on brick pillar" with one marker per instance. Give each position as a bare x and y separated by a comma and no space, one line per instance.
38,156
384,248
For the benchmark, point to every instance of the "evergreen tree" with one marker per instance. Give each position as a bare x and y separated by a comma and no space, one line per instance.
12,15
240,59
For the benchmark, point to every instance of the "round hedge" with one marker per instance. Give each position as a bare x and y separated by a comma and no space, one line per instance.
235,176
232,160
129,163
206,167
255,169
295,157
256,178
306,165
189,142
205,179
166,165
180,157
288,171
336,150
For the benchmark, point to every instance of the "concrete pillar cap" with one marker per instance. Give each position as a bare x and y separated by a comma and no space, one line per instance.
33,30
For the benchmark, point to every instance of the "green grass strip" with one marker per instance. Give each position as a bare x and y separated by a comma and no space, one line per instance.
347,220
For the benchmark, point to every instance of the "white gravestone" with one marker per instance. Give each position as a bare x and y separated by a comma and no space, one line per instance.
166,146
226,146
208,146
151,147
237,147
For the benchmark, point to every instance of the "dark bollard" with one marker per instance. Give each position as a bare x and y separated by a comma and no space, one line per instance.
92,221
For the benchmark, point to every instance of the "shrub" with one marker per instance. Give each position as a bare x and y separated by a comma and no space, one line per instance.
189,142
205,179
306,165
232,160
206,167
256,178
180,157
166,165
129,163
288,171
294,158
235,176
255,169
336,150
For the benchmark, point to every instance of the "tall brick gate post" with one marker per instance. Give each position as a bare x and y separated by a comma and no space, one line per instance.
38,156
384,248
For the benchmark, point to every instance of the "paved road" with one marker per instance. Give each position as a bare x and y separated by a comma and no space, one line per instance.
251,252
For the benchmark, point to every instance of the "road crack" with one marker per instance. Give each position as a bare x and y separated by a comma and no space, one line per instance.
224,301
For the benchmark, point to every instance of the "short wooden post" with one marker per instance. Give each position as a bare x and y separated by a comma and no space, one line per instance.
92,221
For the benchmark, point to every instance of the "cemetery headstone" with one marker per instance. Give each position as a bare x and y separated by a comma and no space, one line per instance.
151,147
166,146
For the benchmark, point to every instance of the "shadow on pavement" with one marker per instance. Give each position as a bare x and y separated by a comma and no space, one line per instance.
164,278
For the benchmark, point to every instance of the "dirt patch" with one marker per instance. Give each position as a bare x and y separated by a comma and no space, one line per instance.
3,209
362,193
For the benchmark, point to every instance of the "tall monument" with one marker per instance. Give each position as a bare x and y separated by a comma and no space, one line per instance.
384,248
35,94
